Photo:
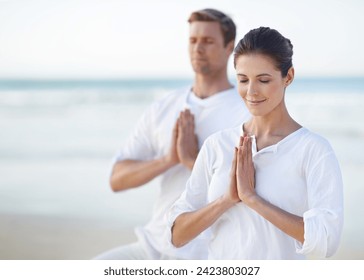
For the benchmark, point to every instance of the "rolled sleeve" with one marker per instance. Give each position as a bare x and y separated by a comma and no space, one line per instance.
322,229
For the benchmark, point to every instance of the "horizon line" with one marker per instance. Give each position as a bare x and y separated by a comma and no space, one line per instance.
132,78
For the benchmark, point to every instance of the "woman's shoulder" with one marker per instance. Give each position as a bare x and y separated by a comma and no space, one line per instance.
225,136
314,141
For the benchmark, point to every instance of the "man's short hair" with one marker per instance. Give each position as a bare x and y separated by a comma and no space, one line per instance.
227,25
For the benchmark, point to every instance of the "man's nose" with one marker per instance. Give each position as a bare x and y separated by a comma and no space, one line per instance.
199,47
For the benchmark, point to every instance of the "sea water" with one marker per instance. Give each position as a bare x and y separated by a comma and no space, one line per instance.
58,138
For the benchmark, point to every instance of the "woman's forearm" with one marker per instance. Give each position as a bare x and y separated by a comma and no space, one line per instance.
288,223
189,225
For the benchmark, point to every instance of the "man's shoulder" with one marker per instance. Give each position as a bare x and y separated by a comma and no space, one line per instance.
174,94
172,97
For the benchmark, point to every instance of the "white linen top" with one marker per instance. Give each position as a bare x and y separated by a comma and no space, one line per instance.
300,174
152,138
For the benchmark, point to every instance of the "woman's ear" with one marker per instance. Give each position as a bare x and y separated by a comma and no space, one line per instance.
290,76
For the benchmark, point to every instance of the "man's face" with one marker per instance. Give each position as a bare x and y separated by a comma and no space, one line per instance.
206,47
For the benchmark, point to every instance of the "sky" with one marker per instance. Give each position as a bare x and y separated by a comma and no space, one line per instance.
144,39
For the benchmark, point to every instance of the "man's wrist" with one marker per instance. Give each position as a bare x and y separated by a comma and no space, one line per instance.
189,163
167,162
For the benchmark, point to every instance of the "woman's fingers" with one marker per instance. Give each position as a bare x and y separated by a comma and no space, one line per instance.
245,170
241,140
249,151
235,159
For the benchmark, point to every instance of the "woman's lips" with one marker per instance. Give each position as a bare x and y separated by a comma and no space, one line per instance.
255,102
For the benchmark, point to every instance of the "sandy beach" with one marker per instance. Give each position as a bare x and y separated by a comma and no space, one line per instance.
44,238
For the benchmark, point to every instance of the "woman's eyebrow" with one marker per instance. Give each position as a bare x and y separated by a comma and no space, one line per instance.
259,75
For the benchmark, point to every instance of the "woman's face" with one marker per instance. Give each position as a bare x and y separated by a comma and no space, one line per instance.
260,83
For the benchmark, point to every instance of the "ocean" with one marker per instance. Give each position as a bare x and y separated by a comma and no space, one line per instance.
58,138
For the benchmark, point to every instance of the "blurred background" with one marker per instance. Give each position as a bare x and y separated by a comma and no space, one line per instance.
75,76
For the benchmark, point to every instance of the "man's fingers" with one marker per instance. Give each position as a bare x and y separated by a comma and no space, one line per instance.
187,120
175,128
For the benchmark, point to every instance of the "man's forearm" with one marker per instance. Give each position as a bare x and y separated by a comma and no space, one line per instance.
129,174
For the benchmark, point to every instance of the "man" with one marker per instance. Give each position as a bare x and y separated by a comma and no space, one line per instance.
166,140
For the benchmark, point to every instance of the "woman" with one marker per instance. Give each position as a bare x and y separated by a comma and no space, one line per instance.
279,195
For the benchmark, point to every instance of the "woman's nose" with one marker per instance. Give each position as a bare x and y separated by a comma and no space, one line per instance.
251,89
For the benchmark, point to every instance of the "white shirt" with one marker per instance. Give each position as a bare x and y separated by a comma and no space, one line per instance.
300,174
152,138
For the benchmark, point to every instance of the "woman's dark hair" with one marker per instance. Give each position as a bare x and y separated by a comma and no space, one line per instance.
227,25
267,41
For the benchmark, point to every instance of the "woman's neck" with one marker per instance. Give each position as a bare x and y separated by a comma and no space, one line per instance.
272,128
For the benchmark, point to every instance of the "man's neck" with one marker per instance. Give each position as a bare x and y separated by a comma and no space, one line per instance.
204,87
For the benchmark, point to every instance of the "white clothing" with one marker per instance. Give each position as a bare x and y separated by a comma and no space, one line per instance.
300,174
133,251
152,138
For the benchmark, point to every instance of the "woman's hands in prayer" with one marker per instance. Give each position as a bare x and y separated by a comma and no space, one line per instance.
242,173
245,172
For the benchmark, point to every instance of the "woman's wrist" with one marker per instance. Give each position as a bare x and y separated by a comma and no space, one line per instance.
226,202
252,200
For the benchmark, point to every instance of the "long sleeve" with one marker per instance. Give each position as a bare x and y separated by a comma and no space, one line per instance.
323,222
193,198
